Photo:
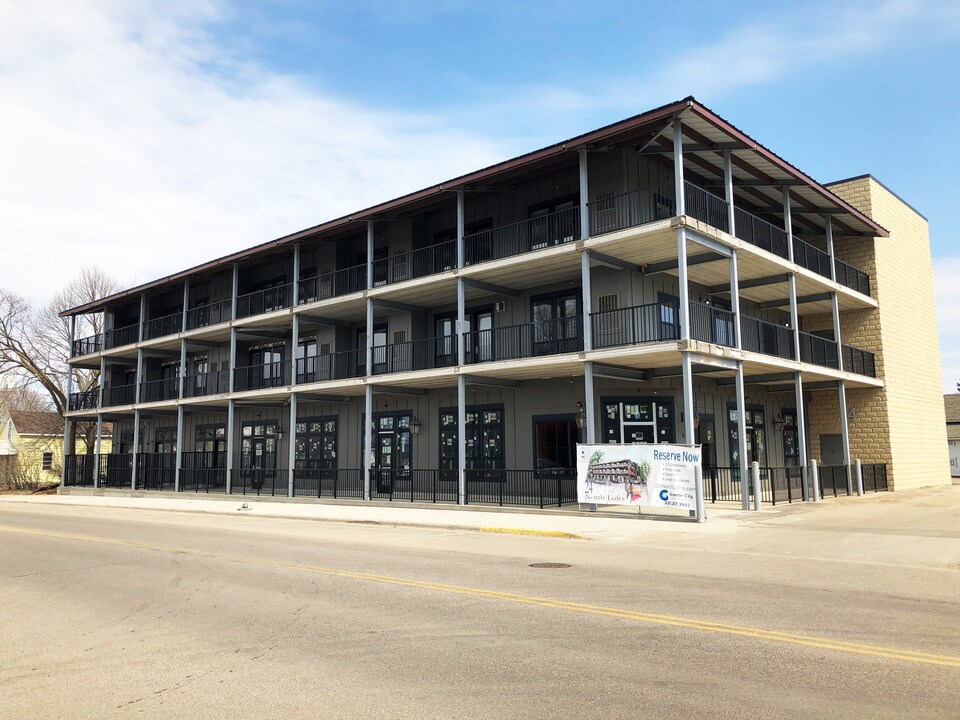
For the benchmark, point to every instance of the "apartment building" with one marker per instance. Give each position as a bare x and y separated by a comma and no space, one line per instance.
662,279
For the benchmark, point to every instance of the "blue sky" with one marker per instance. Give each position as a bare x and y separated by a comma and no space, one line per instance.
177,131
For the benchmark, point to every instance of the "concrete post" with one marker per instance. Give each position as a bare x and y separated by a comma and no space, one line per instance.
815,477
859,473
755,482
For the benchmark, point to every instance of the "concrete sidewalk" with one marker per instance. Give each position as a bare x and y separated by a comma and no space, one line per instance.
547,522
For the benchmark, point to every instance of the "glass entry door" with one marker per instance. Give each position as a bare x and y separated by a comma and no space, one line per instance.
258,453
392,449
556,324
556,443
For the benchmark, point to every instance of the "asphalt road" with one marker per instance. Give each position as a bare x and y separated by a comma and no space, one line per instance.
129,613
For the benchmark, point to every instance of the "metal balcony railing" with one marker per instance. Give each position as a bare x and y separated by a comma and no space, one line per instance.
86,346
810,257
818,351
654,322
264,301
858,361
522,237
208,383
415,355
705,206
119,395
166,325
157,390
712,324
415,263
765,337
851,277
547,337
264,375
333,284
127,335
760,233
86,400
331,366
209,314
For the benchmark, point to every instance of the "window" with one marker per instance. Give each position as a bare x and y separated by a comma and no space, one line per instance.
316,443
638,420
484,438
46,462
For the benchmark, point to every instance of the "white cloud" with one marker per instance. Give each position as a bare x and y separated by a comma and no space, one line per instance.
946,273
130,140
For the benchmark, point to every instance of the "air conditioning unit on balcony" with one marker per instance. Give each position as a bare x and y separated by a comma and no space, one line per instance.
501,306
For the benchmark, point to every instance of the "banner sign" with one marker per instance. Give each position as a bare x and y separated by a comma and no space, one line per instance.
641,475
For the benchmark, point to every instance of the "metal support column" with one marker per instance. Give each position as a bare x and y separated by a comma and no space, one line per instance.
735,301
367,450
97,451
231,413
231,380
589,404
461,228
139,381
461,439
728,192
845,433
587,292
143,317
833,262
369,254
294,348
584,195
801,427
136,449
66,408
742,438
684,284
183,369
689,428
292,444
678,166
235,291
186,304
461,324
176,470
296,274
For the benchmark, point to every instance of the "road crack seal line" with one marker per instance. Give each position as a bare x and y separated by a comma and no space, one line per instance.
690,623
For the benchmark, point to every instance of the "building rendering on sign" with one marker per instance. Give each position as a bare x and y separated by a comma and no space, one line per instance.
664,279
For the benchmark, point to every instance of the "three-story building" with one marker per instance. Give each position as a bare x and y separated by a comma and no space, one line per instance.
662,279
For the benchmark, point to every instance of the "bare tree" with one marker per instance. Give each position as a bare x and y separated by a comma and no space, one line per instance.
35,342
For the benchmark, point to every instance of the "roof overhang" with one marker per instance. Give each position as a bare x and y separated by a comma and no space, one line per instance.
759,178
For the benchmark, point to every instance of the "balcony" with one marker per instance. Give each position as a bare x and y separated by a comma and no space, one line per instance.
332,366
262,376
658,203
546,337
424,354
766,338
522,237
415,263
119,395
264,301
86,346
127,335
819,351
158,390
858,361
209,314
654,322
86,400
333,284
166,325
208,383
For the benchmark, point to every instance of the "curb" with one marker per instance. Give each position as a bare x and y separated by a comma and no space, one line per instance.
523,531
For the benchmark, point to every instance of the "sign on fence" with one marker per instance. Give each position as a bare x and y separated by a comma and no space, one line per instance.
639,475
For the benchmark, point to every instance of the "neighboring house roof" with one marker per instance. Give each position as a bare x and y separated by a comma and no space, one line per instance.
951,406
32,422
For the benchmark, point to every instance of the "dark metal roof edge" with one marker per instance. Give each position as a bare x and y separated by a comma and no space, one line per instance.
369,213
878,182
710,116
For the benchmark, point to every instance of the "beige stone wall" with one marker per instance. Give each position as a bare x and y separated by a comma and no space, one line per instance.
905,420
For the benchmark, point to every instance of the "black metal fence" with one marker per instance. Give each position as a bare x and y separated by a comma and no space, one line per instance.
86,400
264,375
415,355
331,366
766,337
818,350
156,471
712,324
810,257
260,481
117,337
874,477
429,486
858,361
165,325
851,277
119,395
203,472
78,470
208,383
415,263
327,482
777,485
654,322
547,337
157,390
531,488
833,479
